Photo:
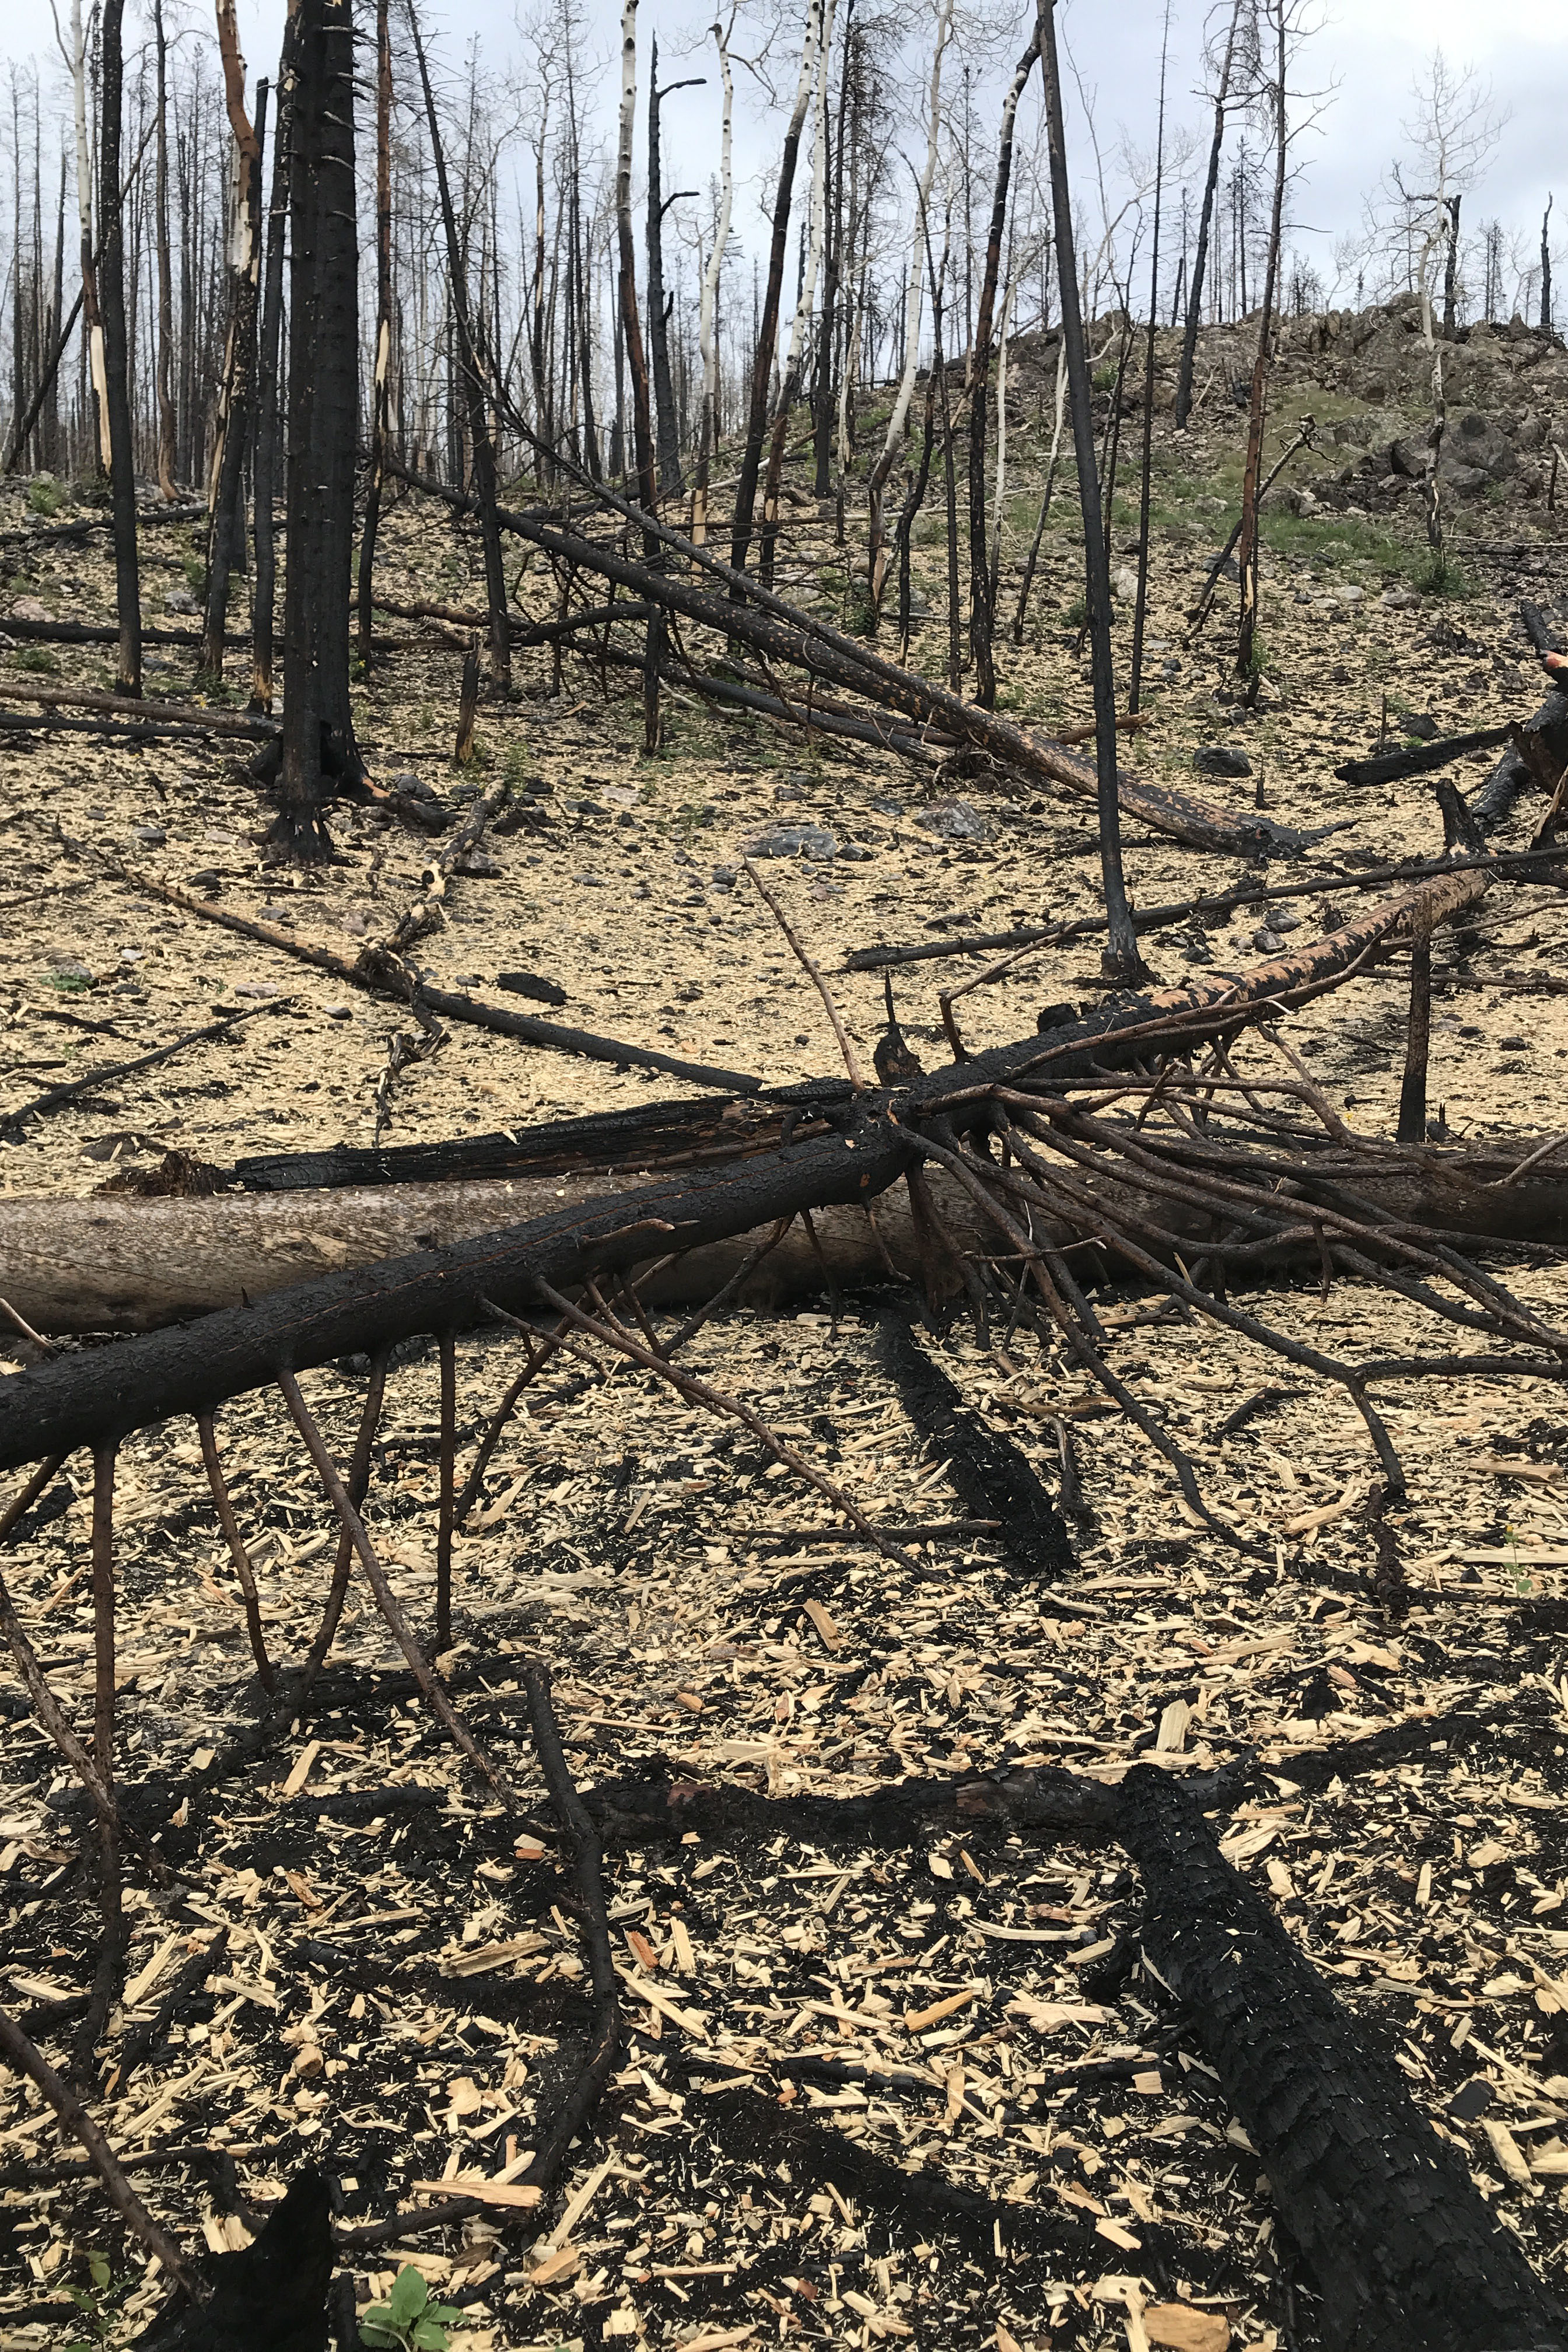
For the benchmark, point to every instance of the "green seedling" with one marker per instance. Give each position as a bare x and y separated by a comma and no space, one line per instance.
99,2304
408,2321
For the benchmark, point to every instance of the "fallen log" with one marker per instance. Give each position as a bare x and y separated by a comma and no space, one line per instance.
1402,2249
118,1262
774,629
385,975
100,1397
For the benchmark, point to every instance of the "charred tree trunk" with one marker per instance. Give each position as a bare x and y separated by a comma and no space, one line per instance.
666,415
979,595
263,586
1121,962
767,333
117,358
1401,2247
481,446
165,356
226,522
381,398
1205,226
319,754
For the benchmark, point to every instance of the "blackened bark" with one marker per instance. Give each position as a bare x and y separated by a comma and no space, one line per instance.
1120,961
1205,226
226,538
670,480
319,754
380,395
1402,2250
981,598
117,359
767,333
481,446
264,462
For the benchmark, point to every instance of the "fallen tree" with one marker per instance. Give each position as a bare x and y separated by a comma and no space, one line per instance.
118,1262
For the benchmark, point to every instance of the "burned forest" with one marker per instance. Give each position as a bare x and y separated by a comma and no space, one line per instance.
783,1188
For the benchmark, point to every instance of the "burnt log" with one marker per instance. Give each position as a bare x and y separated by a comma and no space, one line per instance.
1401,2247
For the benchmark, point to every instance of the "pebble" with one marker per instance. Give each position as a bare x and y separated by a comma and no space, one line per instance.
1400,600
263,988
150,837
179,600
333,1011
1221,759
28,608
794,841
954,820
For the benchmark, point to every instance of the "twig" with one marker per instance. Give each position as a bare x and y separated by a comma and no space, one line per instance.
243,1566
851,1063
386,1600
56,1096
30,2061
698,1392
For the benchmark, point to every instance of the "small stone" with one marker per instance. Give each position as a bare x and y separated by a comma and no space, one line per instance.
412,787
855,852
259,988
814,841
1266,942
179,600
150,837
28,608
1125,584
1350,595
954,821
338,1011
1424,729
480,867
1221,759
1400,600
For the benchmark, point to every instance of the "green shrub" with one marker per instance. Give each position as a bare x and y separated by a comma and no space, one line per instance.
45,496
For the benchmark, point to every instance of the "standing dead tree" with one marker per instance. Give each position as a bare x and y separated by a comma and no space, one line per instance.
117,355
473,374
1206,216
1121,963
768,325
981,598
231,440
318,755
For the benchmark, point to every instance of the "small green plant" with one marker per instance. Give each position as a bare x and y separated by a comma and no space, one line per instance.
1522,1580
408,2321
35,659
44,496
1104,376
1075,615
1437,574
197,578
99,2302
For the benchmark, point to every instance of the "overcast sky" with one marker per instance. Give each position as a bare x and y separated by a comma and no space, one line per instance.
1369,51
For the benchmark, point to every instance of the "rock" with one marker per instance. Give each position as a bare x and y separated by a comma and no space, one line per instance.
259,988
1424,729
150,837
1125,584
1221,759
1266,942
954,820
179,600
1466,481
28,608
1304,502
1475,444
1400,600
411,787
1349,595
855,852
480,867
1409,456
1531,432
338,1011
1228,570
813,841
